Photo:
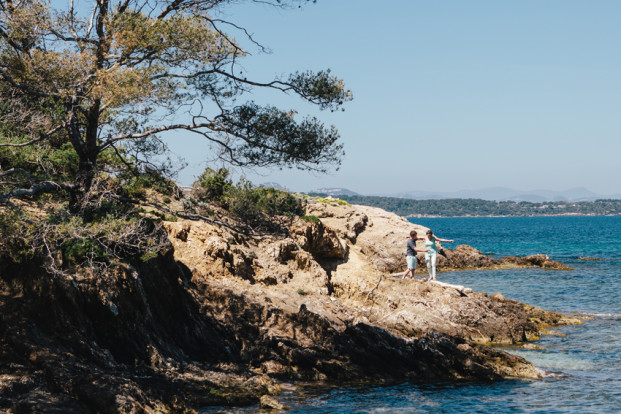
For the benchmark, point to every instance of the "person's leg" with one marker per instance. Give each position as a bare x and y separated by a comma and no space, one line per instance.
434,259
428,258
411,262
412,266
405,274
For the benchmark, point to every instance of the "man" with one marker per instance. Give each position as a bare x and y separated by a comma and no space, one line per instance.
410,254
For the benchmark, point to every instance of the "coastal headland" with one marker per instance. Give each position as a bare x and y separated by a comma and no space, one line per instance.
225,318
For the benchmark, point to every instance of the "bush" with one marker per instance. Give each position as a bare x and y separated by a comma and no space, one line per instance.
137,186
36,163
212,185
258,205
120,236
275,202
15,236
66,243
81,251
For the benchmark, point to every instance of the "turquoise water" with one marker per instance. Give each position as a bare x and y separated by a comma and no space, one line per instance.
583,368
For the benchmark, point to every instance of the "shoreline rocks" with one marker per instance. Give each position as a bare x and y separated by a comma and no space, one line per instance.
223,319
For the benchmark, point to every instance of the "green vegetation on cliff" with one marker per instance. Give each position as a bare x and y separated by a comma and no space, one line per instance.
88,96
458,207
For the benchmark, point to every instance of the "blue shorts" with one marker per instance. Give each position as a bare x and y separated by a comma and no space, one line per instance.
411,262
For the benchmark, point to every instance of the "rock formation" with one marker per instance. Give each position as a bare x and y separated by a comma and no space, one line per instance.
222,317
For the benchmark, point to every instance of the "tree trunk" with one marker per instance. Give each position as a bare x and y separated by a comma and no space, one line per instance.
80,194
84,141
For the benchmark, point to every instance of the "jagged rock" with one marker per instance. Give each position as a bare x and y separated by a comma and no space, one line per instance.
318,240
464,257
346,221
282,251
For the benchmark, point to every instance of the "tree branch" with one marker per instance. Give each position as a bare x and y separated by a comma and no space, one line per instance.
34,141
153,131
173,6
17,171
131,168
44,187
24,87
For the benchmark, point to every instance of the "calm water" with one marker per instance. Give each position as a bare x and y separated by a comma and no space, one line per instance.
584,366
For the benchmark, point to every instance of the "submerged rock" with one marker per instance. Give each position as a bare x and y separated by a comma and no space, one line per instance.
270,403
593,259
537,260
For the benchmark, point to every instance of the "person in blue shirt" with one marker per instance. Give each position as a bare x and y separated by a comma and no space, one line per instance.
410,254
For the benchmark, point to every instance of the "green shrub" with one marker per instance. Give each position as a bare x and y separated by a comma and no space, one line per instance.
42,162
312,219
212,185
336,201
64,160
257,205
242,202
136,186
80,251
16,237
66,243
275,202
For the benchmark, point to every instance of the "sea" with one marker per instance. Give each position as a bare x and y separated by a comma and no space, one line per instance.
581,363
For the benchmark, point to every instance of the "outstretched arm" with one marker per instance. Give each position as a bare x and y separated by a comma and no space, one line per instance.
444,240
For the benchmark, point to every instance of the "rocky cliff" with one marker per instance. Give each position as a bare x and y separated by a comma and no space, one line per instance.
222,317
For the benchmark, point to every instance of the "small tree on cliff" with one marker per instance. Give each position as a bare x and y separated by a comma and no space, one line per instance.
111,81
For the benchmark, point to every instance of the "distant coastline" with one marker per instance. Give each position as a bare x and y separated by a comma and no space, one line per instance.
458,207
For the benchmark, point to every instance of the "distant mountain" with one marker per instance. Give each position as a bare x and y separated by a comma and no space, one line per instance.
272,184
334,191
508,194
488,193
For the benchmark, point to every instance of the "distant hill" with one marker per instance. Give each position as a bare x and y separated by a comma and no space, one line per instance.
508,194
489,193
460,207
334,192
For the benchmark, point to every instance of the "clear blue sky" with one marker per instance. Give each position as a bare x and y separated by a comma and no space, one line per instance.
451,94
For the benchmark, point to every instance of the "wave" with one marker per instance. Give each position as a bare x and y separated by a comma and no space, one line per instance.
599,315
551,374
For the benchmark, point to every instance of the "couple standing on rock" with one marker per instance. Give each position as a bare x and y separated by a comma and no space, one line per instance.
430,250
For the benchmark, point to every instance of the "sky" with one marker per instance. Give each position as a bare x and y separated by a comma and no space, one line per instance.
449,95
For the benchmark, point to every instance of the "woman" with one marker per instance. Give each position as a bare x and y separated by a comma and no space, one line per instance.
431,256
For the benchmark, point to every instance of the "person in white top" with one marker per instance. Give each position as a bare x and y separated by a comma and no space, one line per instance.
431,256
